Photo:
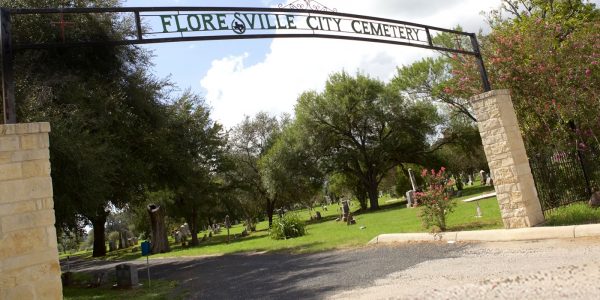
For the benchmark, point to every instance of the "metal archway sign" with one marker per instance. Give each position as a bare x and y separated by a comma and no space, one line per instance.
180,24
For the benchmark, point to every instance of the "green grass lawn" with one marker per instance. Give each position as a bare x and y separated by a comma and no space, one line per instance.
160,289
574,214
393,217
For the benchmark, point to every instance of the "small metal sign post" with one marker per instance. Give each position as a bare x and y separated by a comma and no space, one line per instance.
146,252
478,210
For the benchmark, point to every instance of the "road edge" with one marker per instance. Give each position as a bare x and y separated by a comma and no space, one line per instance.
494,235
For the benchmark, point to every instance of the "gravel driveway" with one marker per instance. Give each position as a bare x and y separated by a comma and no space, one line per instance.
551,269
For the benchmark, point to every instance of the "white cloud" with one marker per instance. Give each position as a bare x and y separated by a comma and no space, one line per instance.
296,65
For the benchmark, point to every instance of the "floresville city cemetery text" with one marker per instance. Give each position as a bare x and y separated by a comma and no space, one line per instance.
257,23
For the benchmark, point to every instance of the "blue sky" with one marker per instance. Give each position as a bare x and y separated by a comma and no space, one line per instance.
188,62
240,78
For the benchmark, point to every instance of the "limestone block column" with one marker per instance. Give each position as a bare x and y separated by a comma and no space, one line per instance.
29,267
507,159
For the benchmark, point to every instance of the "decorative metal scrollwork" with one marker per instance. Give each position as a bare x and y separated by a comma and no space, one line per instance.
308,5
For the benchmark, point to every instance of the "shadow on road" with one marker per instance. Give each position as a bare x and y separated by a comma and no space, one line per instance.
283,275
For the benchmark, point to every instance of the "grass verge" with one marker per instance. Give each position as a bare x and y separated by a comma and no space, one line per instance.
160,289
574,214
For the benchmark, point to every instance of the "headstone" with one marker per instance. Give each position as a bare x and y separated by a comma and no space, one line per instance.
470,182
345,210
112,246
483,177
318,215
410,198
350,219
185,230
227,225
595,199
99,279
412,180
489,181
245,233
127,276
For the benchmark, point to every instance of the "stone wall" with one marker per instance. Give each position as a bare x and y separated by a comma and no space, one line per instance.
29,267
507,159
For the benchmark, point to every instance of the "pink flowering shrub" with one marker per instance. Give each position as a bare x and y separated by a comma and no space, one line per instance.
434,201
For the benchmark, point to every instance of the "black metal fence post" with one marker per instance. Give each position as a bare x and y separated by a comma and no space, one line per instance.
6,57
482,72
588,186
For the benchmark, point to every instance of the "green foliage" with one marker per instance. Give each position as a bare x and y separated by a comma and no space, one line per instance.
68,241
546,53
402,181
435,201
250,141
196,151
363,128
104,106
114,236
464,154
574,214
287,227
289,170
427,80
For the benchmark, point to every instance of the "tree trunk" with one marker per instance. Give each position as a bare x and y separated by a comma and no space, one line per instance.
193,229
99,242
160,243
270,211
121,244
250,225
361,195
373,195
362,200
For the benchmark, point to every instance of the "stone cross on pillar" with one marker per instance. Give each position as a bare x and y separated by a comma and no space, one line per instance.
507,159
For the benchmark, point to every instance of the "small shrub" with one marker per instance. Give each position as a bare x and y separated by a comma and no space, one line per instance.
435,201
289,226
114,236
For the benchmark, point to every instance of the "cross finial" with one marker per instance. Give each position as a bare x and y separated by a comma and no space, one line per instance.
308,4
62,24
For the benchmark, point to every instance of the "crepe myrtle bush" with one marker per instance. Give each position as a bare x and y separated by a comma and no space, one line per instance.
288,226
434,201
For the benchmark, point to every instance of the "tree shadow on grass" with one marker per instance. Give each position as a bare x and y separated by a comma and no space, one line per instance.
395,205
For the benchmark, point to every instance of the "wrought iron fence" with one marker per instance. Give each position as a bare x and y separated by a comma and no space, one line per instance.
564,177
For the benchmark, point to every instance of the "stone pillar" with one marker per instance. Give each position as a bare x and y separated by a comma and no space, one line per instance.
507,159
29,267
